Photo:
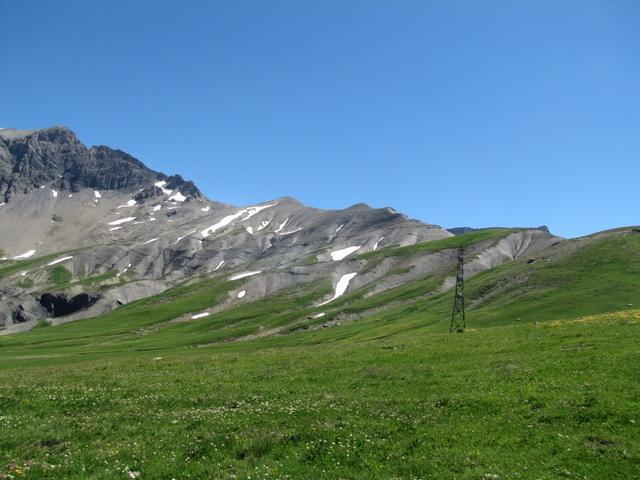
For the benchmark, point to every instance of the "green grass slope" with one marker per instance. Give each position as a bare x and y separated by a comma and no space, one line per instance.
556,400
568,280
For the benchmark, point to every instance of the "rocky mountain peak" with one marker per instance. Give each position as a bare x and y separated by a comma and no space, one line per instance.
55,157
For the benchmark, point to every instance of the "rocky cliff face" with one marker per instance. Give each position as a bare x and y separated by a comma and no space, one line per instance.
56,158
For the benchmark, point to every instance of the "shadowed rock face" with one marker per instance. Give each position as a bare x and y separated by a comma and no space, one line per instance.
54,156
59,305
20,315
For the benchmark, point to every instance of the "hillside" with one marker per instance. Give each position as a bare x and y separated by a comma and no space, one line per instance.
87,230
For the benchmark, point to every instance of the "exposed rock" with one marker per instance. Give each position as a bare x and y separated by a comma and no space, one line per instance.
55,157
20,315
59,304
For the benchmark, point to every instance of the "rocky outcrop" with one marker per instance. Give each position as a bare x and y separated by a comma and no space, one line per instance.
58,305
20,315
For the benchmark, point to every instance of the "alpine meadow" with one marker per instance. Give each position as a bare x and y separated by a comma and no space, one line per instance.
319,240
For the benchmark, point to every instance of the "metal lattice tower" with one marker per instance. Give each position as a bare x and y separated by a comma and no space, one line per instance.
458,322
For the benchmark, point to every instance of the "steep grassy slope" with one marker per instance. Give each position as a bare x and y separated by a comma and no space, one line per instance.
593,275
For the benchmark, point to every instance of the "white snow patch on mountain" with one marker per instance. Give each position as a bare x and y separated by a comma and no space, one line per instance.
281,227
122,220
150,241
3,203
96,193
222,223
291,231
245,274
338,229
178,197
249,230
242,293
124,271
251,211
54,193
130,203
59,260
264,224
375,247
70,195
219,265
344,252
157,207
205,209
200,315
185,235
319,315
24,255
341,286
161,185
112,229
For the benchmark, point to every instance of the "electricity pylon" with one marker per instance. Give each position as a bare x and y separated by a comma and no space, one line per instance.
458,322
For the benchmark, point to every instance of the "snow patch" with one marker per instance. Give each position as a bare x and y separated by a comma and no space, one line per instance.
375,247
251,211
3,203
59,260
150,241
96,193
157,207
24,255
291,231
70,195
341,286
200,315
242,293
122,220
113,229
249,230
185,236
281,227
124,271
54,193
219,265
245,274
264,224
337,255
319,315
205,209
161,185
338,229
130,203
178,197
222,223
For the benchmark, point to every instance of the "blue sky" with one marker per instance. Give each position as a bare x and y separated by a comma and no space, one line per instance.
476,113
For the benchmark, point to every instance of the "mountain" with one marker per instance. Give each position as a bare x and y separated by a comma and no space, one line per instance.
87,230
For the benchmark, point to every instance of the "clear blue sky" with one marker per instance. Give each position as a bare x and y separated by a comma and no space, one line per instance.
475,113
